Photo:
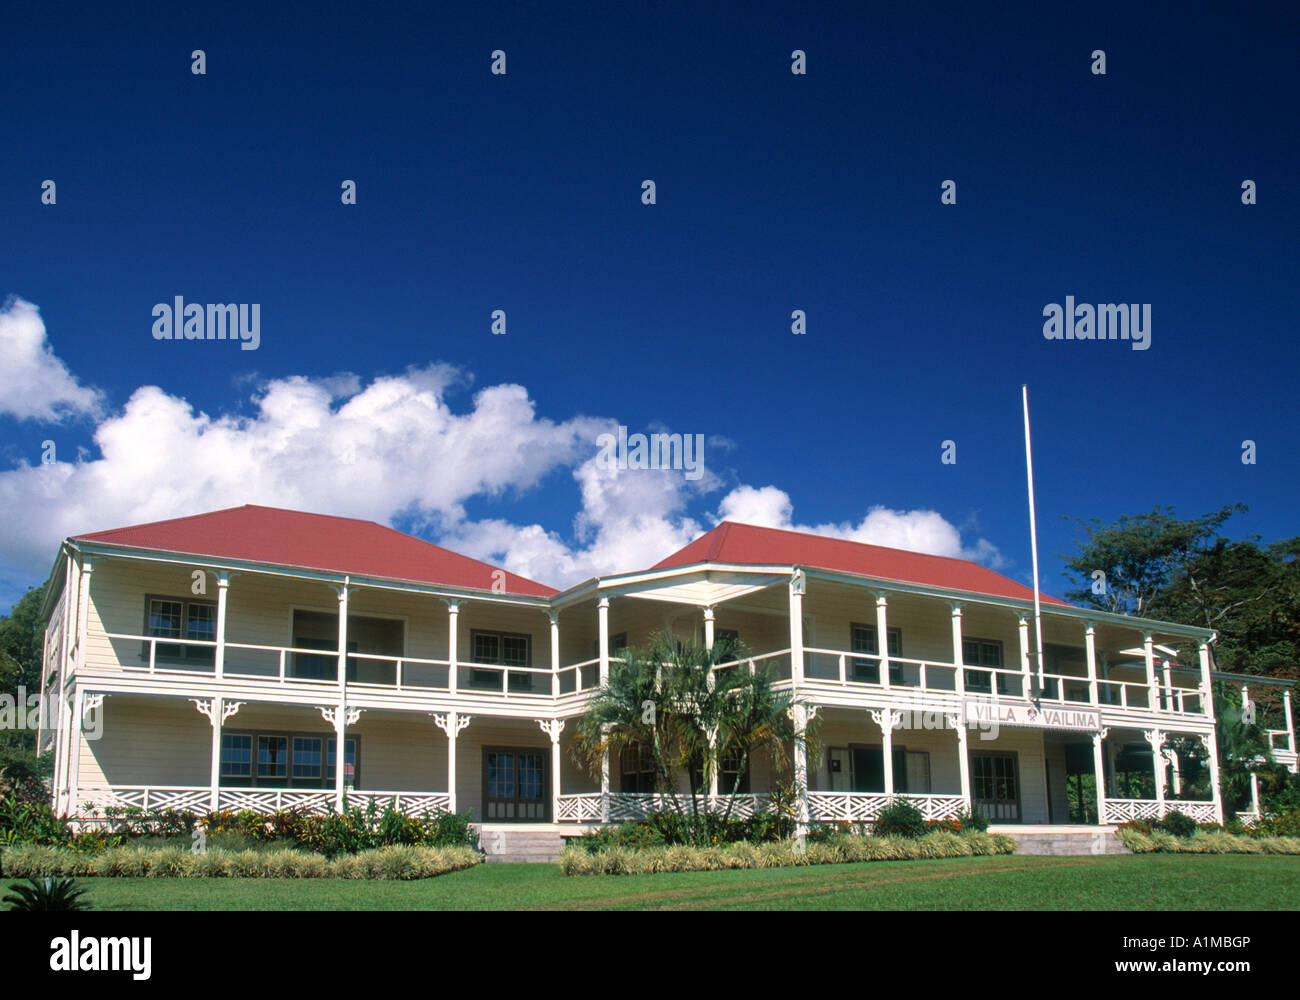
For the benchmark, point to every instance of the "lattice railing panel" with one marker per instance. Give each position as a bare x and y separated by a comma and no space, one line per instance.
1128,810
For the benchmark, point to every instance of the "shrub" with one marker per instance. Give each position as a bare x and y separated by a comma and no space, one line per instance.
770,854
1176,823
1204,842
900,818
47,895
391,862
975,821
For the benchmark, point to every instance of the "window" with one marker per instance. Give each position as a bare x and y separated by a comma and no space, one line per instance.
307,757
283,760
637,768
983,653
728,768
864,641
236,755
501,649
179,618
918,771
272,757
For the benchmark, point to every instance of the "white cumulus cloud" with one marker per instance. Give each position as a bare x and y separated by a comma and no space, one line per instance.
36,384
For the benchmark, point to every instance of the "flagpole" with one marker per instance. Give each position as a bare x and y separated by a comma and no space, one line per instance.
1033,540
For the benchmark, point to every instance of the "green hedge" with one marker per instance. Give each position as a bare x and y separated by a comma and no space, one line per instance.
841,850
394,862
1205,842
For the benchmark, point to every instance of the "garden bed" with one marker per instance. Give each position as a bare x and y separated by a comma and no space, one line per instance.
393,862
778,854
1205,842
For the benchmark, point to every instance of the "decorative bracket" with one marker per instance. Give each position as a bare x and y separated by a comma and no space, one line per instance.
551,727
1154,737
952,719
331,715
92,701
447,720
886,717
798,583
228,708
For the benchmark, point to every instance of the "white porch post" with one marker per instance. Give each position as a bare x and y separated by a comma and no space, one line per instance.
83,612
1149,652
1254,793
885,719
963,758
1090,651
553,728
1175,770
219,659
1207,696
451,723
957,655
803,816
1290,721
1098,764
882,638
1169,704
554,617
1155,737
797,587
1023,629
453,667
340,715
602,636
708,627
218,707
713,736
74,757
1211,742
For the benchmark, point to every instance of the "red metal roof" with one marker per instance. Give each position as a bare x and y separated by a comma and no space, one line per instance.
316,541
747,544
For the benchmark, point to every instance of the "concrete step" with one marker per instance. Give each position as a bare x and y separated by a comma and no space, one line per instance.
521,846
1101,840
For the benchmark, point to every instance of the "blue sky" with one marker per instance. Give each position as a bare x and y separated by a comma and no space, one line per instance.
522,192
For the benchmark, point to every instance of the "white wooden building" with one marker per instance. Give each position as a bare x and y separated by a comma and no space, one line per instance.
219,661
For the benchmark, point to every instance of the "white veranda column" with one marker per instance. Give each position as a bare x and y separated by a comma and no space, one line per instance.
553,728
219,660
1155,738
1090,651
602,637
885,719
882,638
451,723
797,587
708,627
958,721
800,715
1149,654
1211,742
453,665
554,618
1098,764
1022,623
340,714
957,655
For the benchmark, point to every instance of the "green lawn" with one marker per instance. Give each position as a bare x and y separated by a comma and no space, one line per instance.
1135,882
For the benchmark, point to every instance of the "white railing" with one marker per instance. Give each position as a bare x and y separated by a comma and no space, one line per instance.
865,807
1128,810
587,807
147,798
198,799
777,661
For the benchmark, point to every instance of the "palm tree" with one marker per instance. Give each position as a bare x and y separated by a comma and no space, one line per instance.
691,706
1244,750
